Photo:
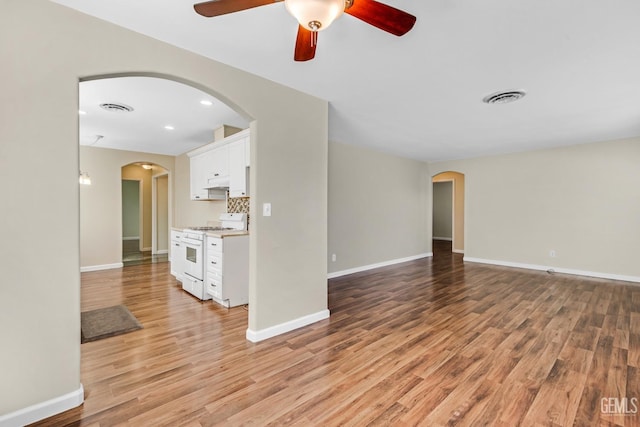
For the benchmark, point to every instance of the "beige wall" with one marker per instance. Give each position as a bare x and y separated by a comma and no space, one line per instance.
192,212
101,203
581,201
46,49
130,209
378,207
458,207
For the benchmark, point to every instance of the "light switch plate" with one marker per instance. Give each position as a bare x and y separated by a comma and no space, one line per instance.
266,209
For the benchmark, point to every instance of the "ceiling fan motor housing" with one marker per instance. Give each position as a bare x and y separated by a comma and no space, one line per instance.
315,15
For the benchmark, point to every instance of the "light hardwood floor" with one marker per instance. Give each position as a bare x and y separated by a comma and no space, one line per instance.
132,255
428,342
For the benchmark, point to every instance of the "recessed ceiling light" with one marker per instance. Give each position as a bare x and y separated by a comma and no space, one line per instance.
207,103
169,127
147,166
82,113
504,97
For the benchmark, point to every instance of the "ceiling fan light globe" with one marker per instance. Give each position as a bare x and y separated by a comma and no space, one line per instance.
310,12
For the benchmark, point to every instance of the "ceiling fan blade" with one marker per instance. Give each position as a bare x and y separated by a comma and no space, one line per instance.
380,15
306,42
222,7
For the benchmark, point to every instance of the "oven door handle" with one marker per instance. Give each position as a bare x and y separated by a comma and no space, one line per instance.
192,242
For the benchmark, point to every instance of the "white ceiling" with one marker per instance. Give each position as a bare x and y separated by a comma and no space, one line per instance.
420,95
156,103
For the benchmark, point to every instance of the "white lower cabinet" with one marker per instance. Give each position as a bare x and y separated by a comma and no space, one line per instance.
227,275
177,254
214,287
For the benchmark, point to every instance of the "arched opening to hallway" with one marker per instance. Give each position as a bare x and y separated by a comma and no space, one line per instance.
448,212
145,214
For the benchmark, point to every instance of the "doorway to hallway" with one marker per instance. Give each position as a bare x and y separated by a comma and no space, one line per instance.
145,224
448,213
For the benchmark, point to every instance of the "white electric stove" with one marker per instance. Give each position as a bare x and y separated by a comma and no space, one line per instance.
193,239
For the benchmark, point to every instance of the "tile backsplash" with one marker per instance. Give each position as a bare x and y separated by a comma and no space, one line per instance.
238,205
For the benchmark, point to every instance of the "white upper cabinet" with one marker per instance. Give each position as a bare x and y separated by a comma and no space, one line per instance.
219,166
237,169
198,178
247,151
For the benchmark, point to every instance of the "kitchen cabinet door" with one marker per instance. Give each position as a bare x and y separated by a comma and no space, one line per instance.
218,166
177,255
237,170
247,151
198,177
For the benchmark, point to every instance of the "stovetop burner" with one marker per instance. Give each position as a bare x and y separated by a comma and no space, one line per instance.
227,222
211,228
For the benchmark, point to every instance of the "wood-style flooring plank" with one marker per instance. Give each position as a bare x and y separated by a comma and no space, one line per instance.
428,342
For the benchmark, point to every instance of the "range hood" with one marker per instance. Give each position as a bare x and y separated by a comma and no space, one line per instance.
216,194
218,182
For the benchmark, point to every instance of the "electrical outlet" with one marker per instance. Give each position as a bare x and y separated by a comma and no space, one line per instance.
552,253
333,257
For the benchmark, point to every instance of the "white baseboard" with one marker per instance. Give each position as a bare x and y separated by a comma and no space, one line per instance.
377,265
146,249
101,267
448,239
162,252
457,251
131,238
43,410
555,269
263,334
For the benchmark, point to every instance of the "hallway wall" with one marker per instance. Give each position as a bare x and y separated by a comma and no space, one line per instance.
130,209
458,207
582,202
101,222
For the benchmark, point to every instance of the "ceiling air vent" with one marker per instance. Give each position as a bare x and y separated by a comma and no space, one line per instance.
503,97
118,108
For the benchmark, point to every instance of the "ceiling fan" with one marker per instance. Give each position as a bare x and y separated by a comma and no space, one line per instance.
317,15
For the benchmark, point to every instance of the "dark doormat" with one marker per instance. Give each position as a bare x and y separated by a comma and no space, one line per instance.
107,322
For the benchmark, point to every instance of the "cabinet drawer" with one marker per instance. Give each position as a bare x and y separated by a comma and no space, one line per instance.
176,235
214,262
214,244
214,288
214,275
195,288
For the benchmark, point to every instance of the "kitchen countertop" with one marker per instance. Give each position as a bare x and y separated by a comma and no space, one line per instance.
223,234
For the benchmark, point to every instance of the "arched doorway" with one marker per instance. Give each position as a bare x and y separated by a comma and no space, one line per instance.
125,122
448,211
145,213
